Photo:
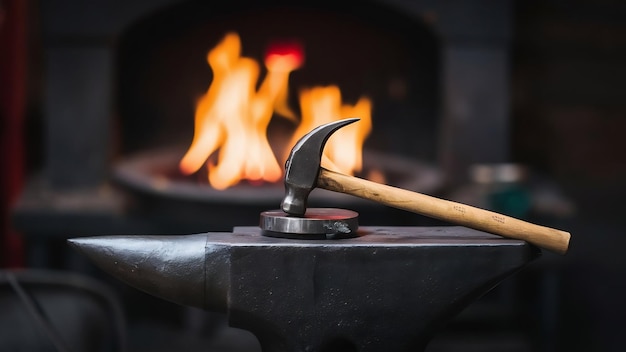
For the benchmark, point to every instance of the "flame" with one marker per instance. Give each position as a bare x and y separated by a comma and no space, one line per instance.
322,105
280,60
231,119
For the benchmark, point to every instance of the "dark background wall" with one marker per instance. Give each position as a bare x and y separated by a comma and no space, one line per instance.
569,122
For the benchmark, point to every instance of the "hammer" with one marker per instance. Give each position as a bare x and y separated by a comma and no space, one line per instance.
303,173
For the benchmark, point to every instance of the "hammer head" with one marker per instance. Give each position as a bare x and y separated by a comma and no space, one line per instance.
303,166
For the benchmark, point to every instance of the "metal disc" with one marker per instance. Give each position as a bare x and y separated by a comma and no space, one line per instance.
317,223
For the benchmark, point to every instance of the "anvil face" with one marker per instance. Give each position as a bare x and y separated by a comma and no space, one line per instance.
390,288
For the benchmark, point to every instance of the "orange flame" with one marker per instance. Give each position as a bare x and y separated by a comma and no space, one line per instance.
322,105
232,117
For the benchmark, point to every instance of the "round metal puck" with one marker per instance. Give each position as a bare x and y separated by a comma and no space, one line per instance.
317,223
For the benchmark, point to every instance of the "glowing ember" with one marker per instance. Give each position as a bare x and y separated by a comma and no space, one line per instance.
232,117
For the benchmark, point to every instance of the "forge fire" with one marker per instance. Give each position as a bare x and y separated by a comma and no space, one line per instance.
232,117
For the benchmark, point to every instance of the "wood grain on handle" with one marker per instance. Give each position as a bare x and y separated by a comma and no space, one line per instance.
548,238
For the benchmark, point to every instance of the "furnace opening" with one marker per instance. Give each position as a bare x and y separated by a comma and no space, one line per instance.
365,48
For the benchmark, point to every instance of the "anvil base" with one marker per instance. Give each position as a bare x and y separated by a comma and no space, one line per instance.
388,289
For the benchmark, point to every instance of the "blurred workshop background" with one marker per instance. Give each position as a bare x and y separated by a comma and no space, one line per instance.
516,106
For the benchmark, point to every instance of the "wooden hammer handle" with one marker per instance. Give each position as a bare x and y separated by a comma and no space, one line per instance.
548,238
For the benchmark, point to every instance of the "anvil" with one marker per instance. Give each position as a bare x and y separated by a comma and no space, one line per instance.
387,289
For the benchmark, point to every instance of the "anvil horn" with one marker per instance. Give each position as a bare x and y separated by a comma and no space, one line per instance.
180,269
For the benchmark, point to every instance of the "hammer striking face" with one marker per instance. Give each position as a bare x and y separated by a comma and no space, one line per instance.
303,166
